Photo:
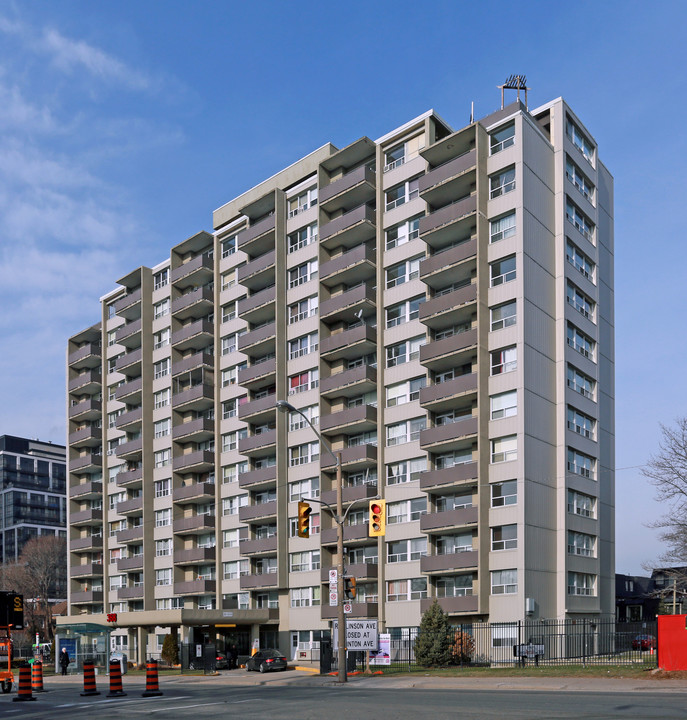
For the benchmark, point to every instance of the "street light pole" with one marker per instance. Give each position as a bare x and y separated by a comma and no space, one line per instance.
338,518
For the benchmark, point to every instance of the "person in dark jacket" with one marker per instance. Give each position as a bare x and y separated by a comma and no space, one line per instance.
64,660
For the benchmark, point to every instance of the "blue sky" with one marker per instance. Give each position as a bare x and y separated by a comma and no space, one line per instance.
124,125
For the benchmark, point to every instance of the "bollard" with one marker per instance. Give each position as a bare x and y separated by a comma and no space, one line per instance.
37,677
89,679
24,691
116,680
152,688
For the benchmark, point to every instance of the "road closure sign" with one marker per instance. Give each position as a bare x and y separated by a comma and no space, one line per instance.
360,634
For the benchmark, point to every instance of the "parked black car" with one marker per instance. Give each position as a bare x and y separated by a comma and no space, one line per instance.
266,660
221,662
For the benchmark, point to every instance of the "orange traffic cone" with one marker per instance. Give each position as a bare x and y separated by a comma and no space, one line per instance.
37,676
24,691
152,688
89,679
116,680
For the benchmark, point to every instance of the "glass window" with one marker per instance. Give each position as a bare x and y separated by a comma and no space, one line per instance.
502,138
502,271
504,537
504,405
504,493
502,228
504,582
504,449
504,360
503,316
502,183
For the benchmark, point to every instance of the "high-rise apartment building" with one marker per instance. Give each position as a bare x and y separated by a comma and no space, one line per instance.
439,304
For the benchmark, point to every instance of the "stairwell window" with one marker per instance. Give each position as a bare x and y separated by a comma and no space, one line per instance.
502,227
575,216
580,423
580,383
579,179
581,584
580,543
504,537
580,342
503,316
504,405
580,301
504,449
579,260
504,582
502,271
582,464
579,140
502,138
502,183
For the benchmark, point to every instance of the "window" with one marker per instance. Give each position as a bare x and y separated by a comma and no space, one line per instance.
403,153
504,449
161,368
581,464
581,544
228,312
230,375
112,418
577,340
581,303
230,440
406,510
207,541
161,428
163,577
230,342
111,337
302,237
230,538
231,505
307,380
454,586
298,422
504,582
405,471
405,351
502,228
580,423
579,260
162,398
111,364
404,312
502,271
502,183
163,518
501,139
580,383
504,405
504,537
117,581
399,590
162,338
363,438
162,458
579,140
504,360
302,454
300,489
115,499
579,220
581,504
405,392
163,488
305,597
314,525
303,273
403,272
160,309
403,233
405,550
504,493
160,279
163,547
235,569
303,345
303,309
452,544
228,279
228,246
444,461
303,561
402,193
578,179
406,431
302,202
503,316
581,583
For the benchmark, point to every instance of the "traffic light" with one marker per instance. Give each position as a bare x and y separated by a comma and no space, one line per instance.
377,518
350,590
304,511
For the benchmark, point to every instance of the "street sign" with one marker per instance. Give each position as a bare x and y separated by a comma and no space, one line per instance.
333,598
348,608
333,575
360,634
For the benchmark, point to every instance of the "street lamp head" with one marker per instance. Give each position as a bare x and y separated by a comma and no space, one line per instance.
285,405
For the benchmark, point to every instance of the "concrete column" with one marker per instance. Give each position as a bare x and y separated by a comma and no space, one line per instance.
142,645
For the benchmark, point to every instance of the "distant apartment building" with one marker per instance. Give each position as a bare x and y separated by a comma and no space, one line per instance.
439,303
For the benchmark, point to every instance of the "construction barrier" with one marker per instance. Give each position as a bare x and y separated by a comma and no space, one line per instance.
24,691
89,679
37,676
116,679
152,687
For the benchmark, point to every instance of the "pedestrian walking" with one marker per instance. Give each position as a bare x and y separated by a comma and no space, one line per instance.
64,660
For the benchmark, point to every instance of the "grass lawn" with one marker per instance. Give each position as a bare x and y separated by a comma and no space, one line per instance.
593,671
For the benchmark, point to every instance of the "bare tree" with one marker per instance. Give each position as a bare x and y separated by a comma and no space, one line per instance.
667,472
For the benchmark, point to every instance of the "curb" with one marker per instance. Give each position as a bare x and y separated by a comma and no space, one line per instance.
305,669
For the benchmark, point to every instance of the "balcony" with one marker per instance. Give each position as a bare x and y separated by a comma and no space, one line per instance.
345,305
129,335
442,226
86,410
196,493
199,461
258,411
130,392
258,307
87,382
86,544
86,437
88,597
350,421
132,450
199,397
349,229
258,479
352,458
87,356
195,272
348,383
452,308
87,570
353,266
349,344
351,190
129,363
360,571
256,373
197,304
197,430
130,478
454,178
127,564
451,561
82,518
134,506
351,494
445,478
352,534
259,273
358,610
258,445
194,336
439,270
442,396
199,360
259,237
449,436
131,420
129,306
86,491
130,535
453,605
195,587
259,546
195,556
251,513
442,354
87,463
194,525
259,341
254,582
438,522
130,593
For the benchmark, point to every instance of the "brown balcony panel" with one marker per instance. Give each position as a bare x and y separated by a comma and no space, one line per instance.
258,271
128,331
351,190
256,373
86,570
197,360
349,229
198,397
199,429
438,521
195,587
349,343
264,580
86,491
358,610
194,556
264,407
129,449
450,302
130,593
360,571
351,494
358,419
130,419
248,513
352,533
352,458
353,266
261,546
258,443
130,563
452,561
127,302
447,260
258,478
198,461
254,339
130,478
449,346
193,525
260,233
130,390
196,303
349,382
195,493
345,305
87,382
456,475
440,226
450,432
445,181
86,410
196,271
130,535
196,335
85,437
85,463
453,605
93,542
259,306
87,597
88,355
86,517
134,506
449,390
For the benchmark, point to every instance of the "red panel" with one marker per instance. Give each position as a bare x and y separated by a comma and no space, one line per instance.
672,642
